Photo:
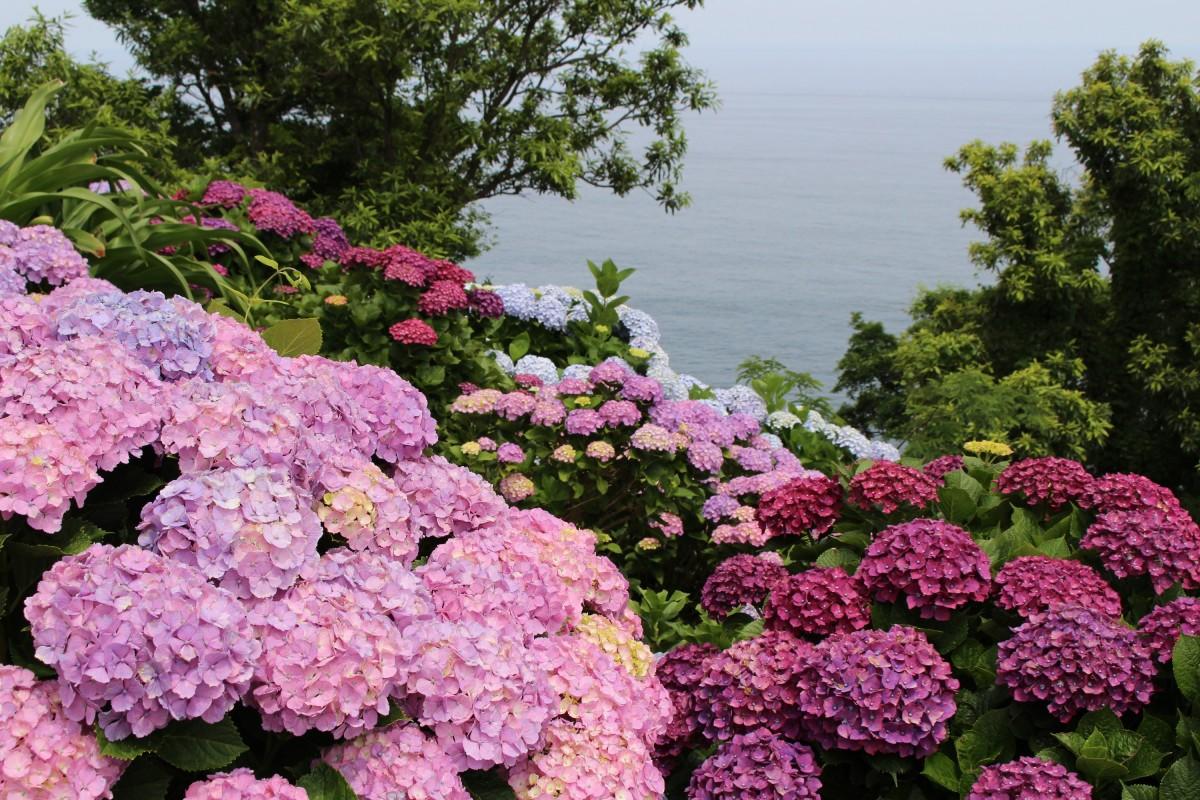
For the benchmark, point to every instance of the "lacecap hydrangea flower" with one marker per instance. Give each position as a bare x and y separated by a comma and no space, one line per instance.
758,765
818,602
240,784
1073,660
1030,585
935,566
887,487
803,505
1161,628
138,640
397,761
1149,542
1029,778
739,581
1052,482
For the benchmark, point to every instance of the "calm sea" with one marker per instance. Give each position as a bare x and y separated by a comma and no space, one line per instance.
807,207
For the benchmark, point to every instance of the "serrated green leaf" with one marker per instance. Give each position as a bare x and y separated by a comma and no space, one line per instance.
294,337
1099,770
145,779
977,661
989,740
838,557
326,783
956,504
941,769
1185,663
1138,791
198,746
1181,781
126,749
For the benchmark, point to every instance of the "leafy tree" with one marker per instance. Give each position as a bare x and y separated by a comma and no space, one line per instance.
1086,341
406,113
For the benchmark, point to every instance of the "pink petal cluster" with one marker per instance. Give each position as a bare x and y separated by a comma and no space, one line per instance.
1050,482
1161,628
395,412
1073,660
138,640
754,684
516,487
223,193
803,505
444,499
877,691
741,580
1027,778
818,602
357,501
274,213
1149,542
680,671
413,331
941,466
240,784
397,761
443,297
44,755
935,566
1123,491
887,487
1030,585
757,766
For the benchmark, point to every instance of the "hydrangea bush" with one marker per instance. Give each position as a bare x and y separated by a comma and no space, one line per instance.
234,574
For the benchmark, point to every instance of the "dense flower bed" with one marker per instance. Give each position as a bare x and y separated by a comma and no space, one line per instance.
208,541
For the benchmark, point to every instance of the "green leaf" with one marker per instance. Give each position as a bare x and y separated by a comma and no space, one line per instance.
977,661
1182,781
326,783
838,557
1138,791
941,769
126,749
957,505
431,375
1099,770
294,337
197,746
144,779
518,347
487,786
1185,662
989,740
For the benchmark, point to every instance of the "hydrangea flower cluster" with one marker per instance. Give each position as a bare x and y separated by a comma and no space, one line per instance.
935,566
1073,660
240,784
941,466
757,766
1163,546
754,684
1161,628
741,580
39,254
1029,777
1031,585
397,761
808,504
273,212
877,691
680,671
1128,492
887,487
1052,482
818,602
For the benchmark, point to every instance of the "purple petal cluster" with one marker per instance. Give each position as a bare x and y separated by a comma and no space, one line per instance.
1161,628
397,761
1163,546
224,193
754,684
272,212
757,766
444,499
1050,482
818,602
1028,778
1031,585
802,505
887,487
1129,492
329,243
742,580
941,466
41,254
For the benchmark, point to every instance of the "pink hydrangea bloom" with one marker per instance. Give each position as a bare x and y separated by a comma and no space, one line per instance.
656,438
413,331
444,499
586,765
240,784
356,501
24,324
802,505
818,602
877,691
1052,482
1028,778
516,487
514,405
1129,492
1161,628
1072,660
641,389
41,474
601,451
480,401
1148,542
705,456
223,193
395,412
443,297
669,524
609,372
618,413
548,411
935,566
758,765
1032,584
750,533
887,487
43,754
584,421
274,213
139,640
398,760
739,581
510,453
239,354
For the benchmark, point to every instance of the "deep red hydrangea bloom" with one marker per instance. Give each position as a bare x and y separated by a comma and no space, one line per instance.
1052,482
1032,584
1029,778
877,691
940,466
1161,628
367,257
743,580
406,265
1147,542
680,671
414,331
1123,491
757,766
887,486
937,567
1073,660
751,685
818,602
806,505
442,297
485,303
449,271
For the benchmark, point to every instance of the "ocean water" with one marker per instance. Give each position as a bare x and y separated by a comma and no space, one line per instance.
807,207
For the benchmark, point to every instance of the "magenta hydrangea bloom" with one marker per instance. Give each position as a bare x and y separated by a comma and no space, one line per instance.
680,671
329,243
742,580
445,499
1073,660
1164,547
681,668
753,684
510,453
486,304
1030,585
397,761
356,501
887,486
274,213
1029,778
757,766
138,640
618,413
43,754
249,530
808,504
935,566
641,389
941,466
443,297
1052,482
705,456
224,193
413,331
584,421
240,784
1129,492
818,602
877,691
1161,628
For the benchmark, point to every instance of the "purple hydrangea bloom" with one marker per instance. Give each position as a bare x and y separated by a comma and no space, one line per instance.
818,602
329,243
941,466
1161,628
1029,778
754,684
739,581
397,761
224,193
584,421
274,213
395,411
1032,584
43,254
1049,481
719,506
486,304
757,766
1161,545
138,640
510,453
705,456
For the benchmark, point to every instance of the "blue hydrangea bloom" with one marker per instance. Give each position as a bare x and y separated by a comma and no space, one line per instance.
741,399
518,299
577,371
551,313
640,326
503,361
540,366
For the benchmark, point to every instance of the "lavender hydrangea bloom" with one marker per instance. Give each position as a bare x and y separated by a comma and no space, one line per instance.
503,362
138,640
757,766
43,254
519,300
12,283
705,456
249,530
538,366
550,312
578,372
1029,777
851,439
446,500
397,761
741,399
392,408
172,336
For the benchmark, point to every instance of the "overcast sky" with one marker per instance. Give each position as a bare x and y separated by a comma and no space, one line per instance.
976,46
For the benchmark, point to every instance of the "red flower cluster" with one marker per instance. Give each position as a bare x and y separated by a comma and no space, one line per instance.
1031,585
1052,482
806,505
441,298
818,602
413,331
887,486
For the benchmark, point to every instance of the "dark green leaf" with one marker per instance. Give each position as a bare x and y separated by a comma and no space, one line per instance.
518,347
1138,791
198,746
1182,781
941,769
487,786
1185,662
126,749
144,779
326,783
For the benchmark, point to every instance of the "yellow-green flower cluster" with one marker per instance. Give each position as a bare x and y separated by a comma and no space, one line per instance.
618,643
988,447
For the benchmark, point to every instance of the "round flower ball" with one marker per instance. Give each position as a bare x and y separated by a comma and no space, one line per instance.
1073,660
742,580
757,766
941,466
1122,491
139,640
751,685
1033,584
1149,542
887,486
240,784
810,504
877,691
1029,778
43,754
935,566
414,331
397,761
1052,482
1161,628
818,602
